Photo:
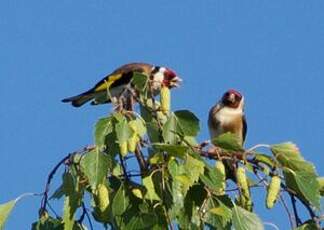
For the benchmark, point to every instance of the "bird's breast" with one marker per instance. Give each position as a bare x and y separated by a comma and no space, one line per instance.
228,115
229,120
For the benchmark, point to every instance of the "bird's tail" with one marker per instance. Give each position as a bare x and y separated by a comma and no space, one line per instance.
80,99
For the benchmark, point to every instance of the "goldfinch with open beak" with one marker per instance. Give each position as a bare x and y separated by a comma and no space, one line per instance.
228,116
120,79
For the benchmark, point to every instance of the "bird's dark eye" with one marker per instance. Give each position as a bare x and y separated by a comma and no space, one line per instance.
156,69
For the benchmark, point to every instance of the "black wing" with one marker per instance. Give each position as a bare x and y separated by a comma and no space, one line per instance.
244,128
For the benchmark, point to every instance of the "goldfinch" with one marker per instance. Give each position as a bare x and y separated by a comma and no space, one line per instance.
120,79
228,116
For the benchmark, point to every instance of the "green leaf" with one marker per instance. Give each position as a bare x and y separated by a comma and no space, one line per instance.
288,155
321,184
169,132
153,131
138,192
176,150
180,183
308,225
194,200
300,175
94,165
219,213
118,117
58,194
150,112
5,210
71,201
213,179
140,80
146,113
191,141
286,149
139,126
79,226
156,158
223,211
48,223
188,123
123,131
103,127
120,202
112,146
149,185
194,168
229,142
265,159
245,220
142,221
305,184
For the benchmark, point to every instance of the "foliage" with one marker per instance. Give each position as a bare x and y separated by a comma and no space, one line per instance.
176,182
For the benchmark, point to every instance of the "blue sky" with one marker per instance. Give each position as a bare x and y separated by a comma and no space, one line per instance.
272,51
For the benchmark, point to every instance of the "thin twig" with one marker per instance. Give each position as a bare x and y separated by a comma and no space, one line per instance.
257,185
307,206
88,217
256,147
49,179
262,180
53,210
122,163
293,201
272,225
132,175
44,200
28,194
140,159
290,217
168,218
84,211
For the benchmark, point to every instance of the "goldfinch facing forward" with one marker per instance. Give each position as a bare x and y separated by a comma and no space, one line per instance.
228,116
120,79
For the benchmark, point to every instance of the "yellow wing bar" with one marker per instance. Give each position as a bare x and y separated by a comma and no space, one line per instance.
107,82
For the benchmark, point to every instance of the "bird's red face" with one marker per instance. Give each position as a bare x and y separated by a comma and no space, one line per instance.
171,79
165,76
232,98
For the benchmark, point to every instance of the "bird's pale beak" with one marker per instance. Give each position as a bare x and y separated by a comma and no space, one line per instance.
176,81
231,98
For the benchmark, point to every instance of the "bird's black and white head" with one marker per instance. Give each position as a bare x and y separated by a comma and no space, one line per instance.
164,76
233,99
